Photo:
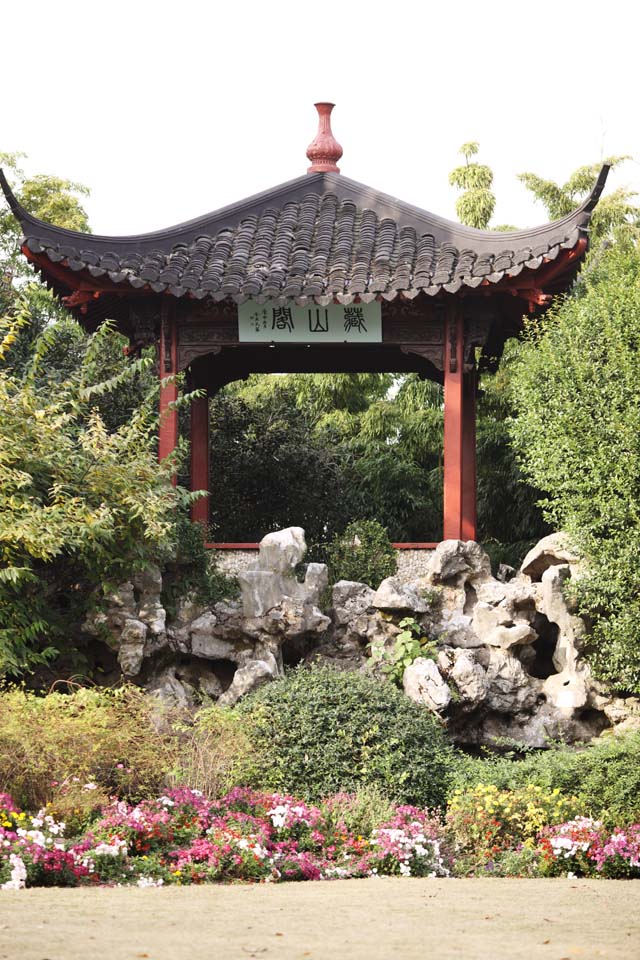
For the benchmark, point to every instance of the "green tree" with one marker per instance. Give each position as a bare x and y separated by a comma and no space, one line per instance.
476,204
270,470
55,200
614,210
577,433
51,330
509,518
80,507
321,450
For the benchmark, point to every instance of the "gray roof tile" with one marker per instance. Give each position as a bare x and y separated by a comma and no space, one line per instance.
318,237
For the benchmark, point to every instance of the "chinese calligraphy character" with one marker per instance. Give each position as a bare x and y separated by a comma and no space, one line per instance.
354,319
319,323
258,319
282,319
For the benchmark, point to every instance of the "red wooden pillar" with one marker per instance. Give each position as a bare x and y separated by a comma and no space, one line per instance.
200,457
168,432
453,424
469,485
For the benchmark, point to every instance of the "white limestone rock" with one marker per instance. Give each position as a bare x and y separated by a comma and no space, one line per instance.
273,578
550,551
170,690
350,600
511,690
281,551
149,581
254,674
567,692
209,647
131,651
469,678
316,581
123,598
518,634
210,685
456,630
460,562
423,683
392,594
262,590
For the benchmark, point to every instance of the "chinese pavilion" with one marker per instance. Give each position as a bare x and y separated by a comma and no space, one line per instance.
320,274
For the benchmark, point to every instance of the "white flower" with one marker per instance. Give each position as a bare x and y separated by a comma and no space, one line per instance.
256,848
36,836
405,870
278,815
90,786
115,849
332,872
18,874
149,882
166,801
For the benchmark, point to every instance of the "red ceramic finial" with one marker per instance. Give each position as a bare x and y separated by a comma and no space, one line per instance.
324,151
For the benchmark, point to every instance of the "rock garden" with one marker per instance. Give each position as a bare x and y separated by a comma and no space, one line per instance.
264,740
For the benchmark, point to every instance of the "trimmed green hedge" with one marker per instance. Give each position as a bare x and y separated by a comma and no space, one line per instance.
362,552
604,776
319,731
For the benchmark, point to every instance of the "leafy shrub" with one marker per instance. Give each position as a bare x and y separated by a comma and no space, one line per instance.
518,862
105,737
212,746
123,742
363,552
80,506
409,644
319,731
485,822
359,813
577,390
604,776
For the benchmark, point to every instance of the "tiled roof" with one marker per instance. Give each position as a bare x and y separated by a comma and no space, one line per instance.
316,238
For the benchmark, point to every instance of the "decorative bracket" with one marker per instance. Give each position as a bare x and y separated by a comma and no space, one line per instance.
426,351
143,320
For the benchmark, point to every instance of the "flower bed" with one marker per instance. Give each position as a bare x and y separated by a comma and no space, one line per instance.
183,838
252,836
584,848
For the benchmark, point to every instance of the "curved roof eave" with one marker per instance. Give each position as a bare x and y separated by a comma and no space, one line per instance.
366,198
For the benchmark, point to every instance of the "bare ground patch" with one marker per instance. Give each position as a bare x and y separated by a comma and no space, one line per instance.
341,920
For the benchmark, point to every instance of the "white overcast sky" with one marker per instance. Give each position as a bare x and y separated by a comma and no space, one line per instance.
168,110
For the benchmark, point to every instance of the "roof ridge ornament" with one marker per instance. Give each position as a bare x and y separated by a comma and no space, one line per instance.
324,151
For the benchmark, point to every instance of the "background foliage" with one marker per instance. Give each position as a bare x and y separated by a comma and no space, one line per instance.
578,436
